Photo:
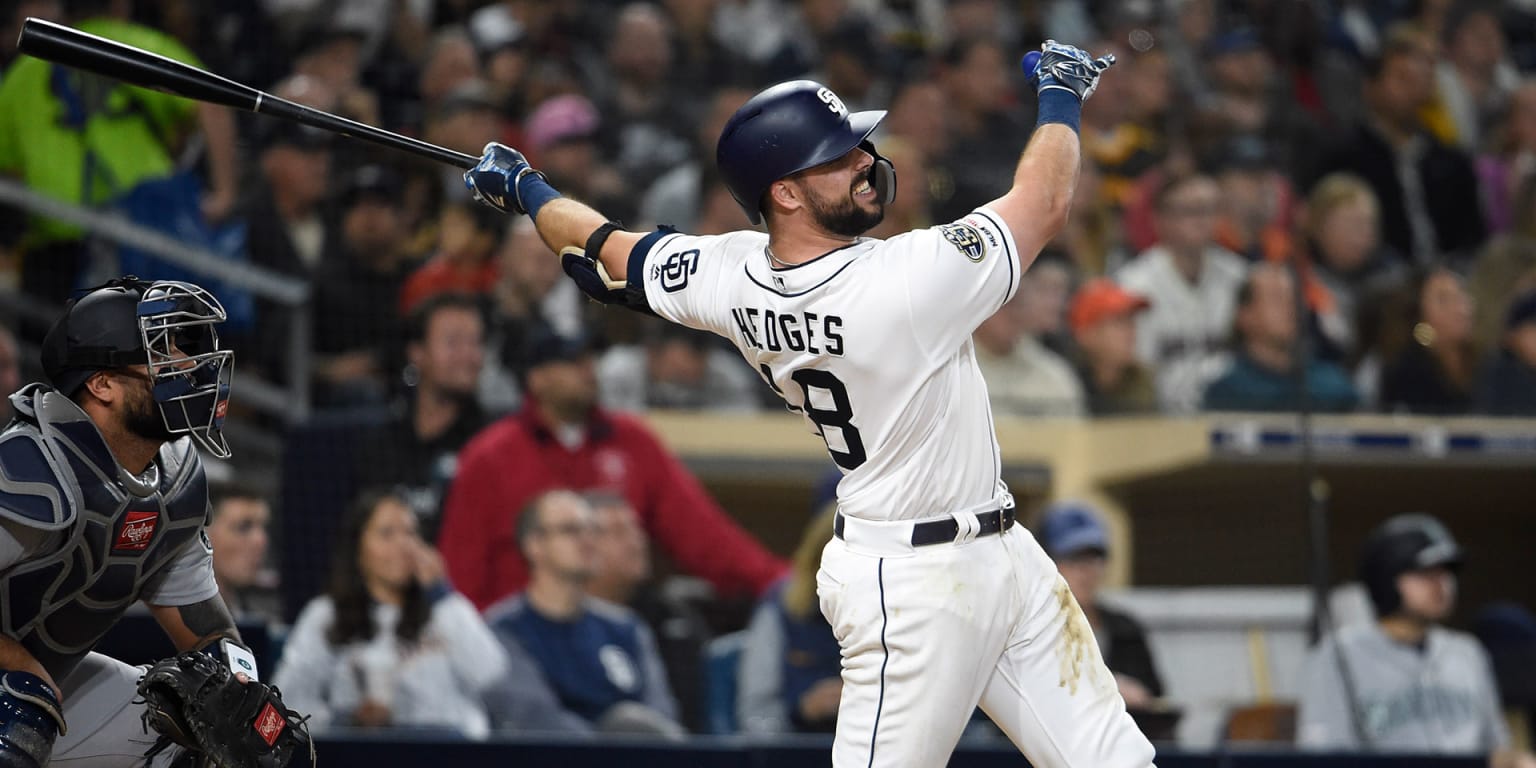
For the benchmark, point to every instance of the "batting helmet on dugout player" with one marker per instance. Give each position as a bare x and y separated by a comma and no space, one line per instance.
1401,544
788,128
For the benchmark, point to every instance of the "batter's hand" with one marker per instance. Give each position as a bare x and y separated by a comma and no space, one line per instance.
1065,67
494,180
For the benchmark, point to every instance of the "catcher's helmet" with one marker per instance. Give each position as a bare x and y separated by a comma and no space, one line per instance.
788,128
1401,544
167,326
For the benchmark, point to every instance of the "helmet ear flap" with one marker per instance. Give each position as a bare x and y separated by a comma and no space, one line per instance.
882,175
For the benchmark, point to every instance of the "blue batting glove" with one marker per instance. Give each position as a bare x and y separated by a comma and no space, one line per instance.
1065,67
494,179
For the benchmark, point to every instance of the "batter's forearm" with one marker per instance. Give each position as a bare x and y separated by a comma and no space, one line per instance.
15,656
564,223
1036,208
1047,173
567,223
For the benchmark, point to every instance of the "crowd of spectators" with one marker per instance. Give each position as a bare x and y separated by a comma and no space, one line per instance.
1380,152
1328,205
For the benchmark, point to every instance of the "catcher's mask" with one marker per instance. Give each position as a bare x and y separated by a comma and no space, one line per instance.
167,325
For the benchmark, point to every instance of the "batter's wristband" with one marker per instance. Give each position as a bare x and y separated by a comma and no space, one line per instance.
1060,105
533,191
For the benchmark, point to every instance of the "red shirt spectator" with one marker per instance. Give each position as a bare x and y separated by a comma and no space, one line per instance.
560,439
465,261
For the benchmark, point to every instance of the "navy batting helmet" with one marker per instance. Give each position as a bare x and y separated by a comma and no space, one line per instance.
1401,544
788,128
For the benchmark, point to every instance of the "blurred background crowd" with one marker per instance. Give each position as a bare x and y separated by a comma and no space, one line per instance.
1327,205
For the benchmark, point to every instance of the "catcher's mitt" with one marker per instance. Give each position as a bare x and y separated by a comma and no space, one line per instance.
195,701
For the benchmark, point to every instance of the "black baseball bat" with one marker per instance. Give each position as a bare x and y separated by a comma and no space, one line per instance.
109,58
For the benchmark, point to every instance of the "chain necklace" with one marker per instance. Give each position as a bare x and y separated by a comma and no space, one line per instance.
775,259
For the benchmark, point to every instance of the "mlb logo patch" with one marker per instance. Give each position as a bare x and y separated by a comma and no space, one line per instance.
269,724
138,528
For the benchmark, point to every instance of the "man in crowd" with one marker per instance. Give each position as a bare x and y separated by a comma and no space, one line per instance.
237,528
1404,682
1190,282
561,438
599,657
1261,376
417,449
622,574
1103,321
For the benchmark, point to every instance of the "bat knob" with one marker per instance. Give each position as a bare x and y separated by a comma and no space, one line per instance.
1030,63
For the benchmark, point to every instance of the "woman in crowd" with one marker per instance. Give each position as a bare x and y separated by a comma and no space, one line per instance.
390,644
1435,358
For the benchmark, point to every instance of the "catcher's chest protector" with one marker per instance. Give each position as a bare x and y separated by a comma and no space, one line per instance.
108,535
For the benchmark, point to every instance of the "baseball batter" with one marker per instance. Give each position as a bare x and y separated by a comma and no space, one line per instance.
102,503
938,600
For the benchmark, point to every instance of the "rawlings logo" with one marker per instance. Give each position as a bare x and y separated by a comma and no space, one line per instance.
269,724
138,528
219,409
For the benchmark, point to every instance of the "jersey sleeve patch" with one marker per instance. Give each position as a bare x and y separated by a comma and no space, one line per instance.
966,239
673,270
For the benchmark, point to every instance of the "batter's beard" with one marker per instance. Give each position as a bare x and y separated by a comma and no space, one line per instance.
142,417
845,218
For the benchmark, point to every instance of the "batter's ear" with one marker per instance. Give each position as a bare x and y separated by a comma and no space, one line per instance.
784,196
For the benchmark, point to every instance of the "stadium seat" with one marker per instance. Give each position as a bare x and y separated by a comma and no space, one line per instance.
721,657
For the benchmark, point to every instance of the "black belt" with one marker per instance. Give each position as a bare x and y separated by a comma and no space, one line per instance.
944,531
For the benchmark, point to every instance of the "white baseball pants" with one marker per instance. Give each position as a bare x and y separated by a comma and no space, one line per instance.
928,633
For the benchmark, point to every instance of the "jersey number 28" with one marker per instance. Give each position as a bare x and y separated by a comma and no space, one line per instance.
840,415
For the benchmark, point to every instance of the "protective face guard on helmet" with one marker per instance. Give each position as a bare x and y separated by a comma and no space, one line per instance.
190,375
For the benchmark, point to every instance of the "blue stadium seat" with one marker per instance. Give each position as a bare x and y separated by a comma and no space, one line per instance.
721,656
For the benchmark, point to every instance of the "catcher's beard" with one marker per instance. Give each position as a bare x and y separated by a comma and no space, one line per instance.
142,417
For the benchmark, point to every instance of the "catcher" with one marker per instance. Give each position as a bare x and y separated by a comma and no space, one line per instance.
103,503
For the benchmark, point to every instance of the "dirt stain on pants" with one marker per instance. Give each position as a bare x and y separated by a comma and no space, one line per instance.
1076,643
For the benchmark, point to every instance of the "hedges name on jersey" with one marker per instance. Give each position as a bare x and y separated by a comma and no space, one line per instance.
832,335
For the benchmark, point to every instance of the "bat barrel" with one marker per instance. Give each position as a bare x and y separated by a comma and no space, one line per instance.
109,58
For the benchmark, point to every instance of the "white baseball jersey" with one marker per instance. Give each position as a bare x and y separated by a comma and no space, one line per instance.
1184,335
870,342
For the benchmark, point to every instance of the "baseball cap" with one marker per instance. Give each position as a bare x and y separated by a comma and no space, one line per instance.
561,118
1521,311
1072,527
468,96
1102,298
371,182
94,333
553,348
